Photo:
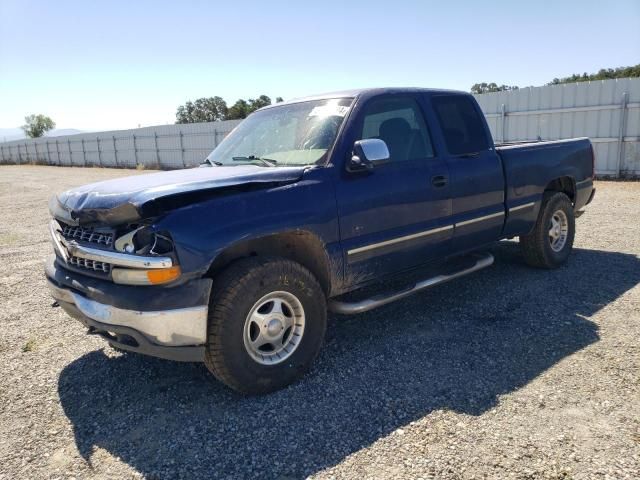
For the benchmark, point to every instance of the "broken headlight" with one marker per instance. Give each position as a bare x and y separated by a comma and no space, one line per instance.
145,241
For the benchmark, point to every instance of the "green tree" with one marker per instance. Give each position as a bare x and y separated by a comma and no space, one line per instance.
238,110
214,109
37,125
210,109
279,99
491,87
242,108
603,74
261,101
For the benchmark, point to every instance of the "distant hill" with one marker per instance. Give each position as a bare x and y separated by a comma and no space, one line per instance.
58,132
8,134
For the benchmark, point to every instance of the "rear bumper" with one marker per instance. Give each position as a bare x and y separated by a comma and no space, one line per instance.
585,192
579,211
174,330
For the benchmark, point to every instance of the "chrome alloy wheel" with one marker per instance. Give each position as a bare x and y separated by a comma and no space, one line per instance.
274,328
558,230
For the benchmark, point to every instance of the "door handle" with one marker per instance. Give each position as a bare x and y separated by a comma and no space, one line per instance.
439,181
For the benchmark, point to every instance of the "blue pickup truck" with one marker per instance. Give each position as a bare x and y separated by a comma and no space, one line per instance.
342,202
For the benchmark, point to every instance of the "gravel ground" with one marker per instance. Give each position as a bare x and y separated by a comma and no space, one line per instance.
508,373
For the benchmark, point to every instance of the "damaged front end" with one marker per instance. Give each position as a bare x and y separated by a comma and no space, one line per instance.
130,199
124,283
117,266
130,255
120,276
107,215
107,229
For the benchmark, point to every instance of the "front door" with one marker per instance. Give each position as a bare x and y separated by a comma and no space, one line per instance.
396,216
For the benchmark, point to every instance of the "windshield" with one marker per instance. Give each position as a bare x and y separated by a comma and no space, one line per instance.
287,135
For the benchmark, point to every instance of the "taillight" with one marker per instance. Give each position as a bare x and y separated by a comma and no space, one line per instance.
593,162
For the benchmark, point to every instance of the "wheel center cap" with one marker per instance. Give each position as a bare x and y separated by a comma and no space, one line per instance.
274,327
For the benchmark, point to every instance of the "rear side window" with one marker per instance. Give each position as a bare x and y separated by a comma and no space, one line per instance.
399,122
461,124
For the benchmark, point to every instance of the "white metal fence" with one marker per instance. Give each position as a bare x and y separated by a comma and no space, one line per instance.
608,112
165,146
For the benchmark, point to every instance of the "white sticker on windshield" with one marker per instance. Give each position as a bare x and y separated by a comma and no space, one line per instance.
329,110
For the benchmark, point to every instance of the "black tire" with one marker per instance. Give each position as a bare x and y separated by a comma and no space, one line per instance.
537,246
234,296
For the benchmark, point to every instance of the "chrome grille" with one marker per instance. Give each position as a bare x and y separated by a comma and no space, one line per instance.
90,264
87,235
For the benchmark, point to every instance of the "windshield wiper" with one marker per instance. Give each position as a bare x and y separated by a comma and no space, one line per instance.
208,161
265,161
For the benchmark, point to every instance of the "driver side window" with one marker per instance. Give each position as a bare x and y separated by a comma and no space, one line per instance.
399,122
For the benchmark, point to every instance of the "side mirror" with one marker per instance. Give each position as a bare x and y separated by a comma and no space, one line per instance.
367,155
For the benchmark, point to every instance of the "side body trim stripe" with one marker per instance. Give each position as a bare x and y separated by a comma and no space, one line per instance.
480,219
393,241
522,207
425,233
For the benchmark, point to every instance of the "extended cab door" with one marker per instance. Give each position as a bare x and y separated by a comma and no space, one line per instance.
394,217
477,179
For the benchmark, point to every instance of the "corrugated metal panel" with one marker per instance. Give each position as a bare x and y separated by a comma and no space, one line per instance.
585,109
163,146
553,112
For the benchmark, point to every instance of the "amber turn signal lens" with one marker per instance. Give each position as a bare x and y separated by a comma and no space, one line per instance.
163,275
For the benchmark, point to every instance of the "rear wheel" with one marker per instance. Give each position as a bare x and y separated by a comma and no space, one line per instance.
267,319
551,241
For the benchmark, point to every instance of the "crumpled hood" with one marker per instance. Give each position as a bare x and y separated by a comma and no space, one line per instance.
122,199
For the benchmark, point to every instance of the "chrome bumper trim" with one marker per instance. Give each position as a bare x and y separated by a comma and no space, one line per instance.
70,247
57,245
179,327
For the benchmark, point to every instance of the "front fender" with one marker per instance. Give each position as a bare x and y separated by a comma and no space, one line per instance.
202,231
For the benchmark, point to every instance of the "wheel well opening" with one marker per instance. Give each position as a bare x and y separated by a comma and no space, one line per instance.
565,185
300,246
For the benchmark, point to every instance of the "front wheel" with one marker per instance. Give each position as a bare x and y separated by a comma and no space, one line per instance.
551,241
267,319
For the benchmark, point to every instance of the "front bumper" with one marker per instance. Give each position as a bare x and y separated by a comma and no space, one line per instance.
168,323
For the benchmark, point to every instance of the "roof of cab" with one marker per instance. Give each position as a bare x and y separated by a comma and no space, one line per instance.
362,91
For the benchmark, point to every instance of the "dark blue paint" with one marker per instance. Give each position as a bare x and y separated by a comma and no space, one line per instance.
347,211
530,168
204,229
108,198
394,200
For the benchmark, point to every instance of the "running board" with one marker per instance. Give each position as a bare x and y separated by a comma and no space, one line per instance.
348,308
